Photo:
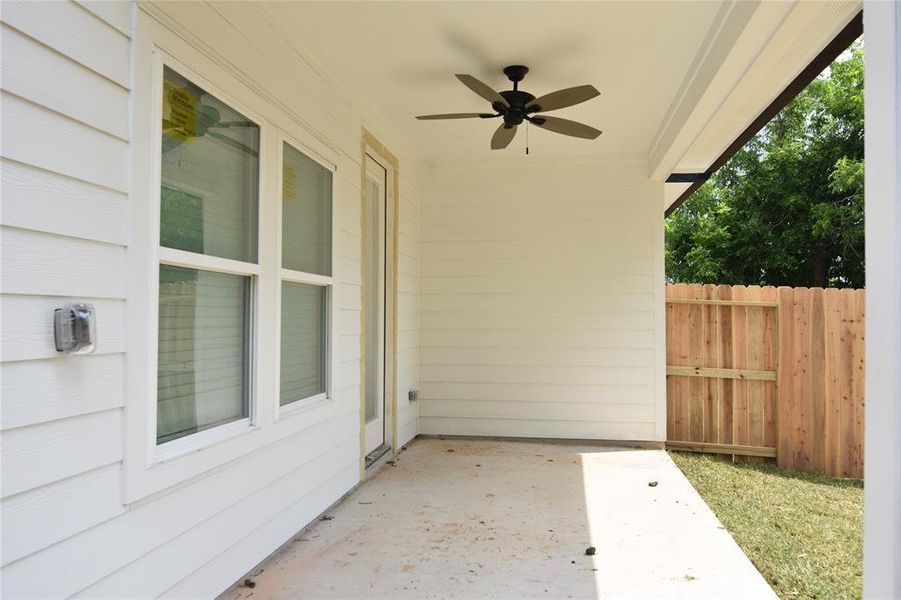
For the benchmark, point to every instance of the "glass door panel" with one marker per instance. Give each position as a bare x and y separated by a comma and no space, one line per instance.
374,302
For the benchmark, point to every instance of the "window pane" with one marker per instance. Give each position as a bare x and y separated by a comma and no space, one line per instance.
210,171
202,376
304,320
306,214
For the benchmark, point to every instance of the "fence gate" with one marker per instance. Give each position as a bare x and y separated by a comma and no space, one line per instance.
767,372
722,357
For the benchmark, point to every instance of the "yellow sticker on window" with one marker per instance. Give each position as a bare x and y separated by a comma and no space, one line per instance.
289,184
179,112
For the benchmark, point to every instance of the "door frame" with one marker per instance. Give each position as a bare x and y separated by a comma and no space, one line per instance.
371,146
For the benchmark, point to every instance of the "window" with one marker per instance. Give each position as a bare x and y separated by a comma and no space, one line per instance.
215,303
209,199
306,276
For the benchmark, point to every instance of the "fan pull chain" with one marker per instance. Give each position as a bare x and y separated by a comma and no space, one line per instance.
527,138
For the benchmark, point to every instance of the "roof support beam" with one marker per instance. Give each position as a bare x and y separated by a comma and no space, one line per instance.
882,467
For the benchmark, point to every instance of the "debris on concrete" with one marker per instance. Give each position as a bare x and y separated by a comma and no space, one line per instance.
590,551
248,582
450,450
445,521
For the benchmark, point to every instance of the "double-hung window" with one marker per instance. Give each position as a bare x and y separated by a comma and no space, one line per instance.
212,243
305,278
230,286
208,261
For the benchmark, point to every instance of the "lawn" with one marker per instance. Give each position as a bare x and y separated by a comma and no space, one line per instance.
803,531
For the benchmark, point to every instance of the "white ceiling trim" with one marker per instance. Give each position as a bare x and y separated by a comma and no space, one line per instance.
796,34
695,82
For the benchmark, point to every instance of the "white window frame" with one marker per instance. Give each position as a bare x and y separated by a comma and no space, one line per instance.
203,262
302,405
149,468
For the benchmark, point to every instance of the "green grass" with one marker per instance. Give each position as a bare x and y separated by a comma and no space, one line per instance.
803,531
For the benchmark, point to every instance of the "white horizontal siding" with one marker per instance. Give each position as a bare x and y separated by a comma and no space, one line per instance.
538,301
195,547
84,560
64,186
40,391
537,428
28,326
63,145
553,393
45,201
536,357
539,411
408,309
40,264
491,336
259,543
46,77
539,375
42,454
39,518
74,32
66,217
114,13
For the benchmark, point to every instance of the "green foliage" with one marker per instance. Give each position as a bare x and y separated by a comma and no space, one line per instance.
787,209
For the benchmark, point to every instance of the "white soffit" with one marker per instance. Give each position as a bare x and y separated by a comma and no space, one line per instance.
795,34
398,60
672,191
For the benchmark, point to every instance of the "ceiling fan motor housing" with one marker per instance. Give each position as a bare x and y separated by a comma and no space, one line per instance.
516,112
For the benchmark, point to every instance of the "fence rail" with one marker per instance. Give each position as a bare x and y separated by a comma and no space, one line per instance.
766,372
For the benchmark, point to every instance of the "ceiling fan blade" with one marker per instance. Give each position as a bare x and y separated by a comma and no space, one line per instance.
481,89
502,137
457,116
566,127
563,98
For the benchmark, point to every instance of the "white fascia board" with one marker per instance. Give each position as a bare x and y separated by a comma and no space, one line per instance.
779,41
696,99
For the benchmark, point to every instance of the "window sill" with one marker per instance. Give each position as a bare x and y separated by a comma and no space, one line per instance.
200,441
314,409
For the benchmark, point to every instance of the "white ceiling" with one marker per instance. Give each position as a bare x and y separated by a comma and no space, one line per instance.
399,58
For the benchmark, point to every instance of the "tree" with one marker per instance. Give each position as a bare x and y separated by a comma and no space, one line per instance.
787,209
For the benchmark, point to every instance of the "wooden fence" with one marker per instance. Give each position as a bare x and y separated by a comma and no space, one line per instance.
766,372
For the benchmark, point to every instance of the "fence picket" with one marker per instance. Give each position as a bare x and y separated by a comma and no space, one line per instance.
808,412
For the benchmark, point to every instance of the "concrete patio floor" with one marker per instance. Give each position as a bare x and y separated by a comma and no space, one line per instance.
496,519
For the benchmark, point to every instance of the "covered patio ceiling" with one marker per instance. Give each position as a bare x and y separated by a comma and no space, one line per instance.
678,80
401,57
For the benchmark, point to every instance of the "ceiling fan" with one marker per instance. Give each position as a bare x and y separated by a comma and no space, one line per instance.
516,106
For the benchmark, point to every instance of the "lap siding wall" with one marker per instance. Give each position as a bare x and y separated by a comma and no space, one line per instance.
542,302
65,212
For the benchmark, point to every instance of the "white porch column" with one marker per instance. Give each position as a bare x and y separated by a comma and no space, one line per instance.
882,528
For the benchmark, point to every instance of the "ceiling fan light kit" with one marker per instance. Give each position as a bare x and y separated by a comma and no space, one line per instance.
516,106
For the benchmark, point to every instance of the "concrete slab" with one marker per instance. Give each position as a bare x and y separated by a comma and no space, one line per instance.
497,519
